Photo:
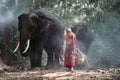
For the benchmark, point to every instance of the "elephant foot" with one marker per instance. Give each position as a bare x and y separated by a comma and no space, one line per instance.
35,69
49,67
57,65
35,66
53,67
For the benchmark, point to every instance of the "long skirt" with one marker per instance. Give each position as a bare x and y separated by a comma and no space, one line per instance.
69,58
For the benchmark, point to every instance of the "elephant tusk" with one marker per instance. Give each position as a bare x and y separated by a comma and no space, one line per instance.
28,43
16,47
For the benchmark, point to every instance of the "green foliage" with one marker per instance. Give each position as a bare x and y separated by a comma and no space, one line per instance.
70,11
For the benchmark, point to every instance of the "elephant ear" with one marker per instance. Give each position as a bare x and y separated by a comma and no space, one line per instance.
44,22
33,18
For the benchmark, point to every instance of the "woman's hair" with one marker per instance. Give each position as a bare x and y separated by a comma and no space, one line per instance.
69,29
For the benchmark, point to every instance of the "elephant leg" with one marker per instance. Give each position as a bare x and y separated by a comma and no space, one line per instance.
35,56
32,60
57,57
38,59
35,59
38,56
49,59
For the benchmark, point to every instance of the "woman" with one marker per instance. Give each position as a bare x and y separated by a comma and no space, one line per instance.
70,51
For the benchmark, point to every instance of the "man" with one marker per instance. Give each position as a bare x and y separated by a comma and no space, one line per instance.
70,51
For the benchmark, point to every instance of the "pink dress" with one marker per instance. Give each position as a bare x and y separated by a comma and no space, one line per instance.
70,52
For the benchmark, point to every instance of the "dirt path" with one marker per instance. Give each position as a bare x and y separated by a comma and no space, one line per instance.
60,75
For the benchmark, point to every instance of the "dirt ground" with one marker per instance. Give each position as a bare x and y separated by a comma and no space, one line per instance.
61,74
11,73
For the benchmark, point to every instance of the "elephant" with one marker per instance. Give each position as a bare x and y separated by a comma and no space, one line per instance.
5,46
40,30
84,37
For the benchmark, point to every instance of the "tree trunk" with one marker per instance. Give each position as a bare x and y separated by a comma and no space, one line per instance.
16,2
